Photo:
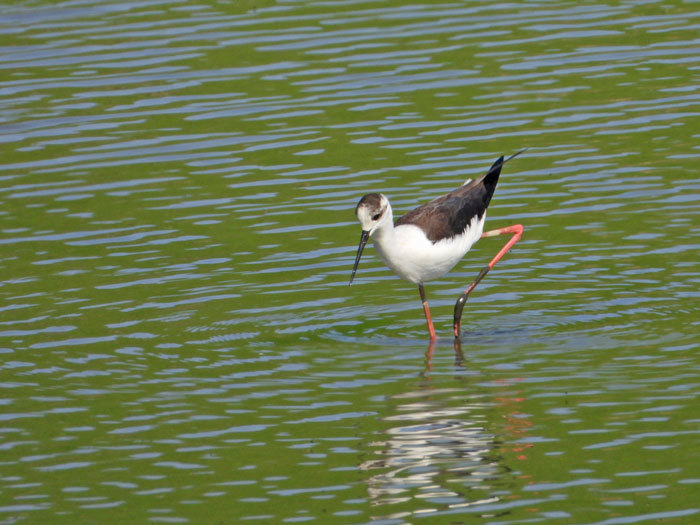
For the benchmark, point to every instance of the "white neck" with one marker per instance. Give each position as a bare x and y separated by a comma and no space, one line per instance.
383,234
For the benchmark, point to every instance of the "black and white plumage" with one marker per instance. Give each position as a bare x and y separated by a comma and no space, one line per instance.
430,240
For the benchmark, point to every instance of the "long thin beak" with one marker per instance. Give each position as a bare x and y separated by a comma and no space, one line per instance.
363,241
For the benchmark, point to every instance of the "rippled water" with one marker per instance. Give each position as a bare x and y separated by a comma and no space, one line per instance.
179,343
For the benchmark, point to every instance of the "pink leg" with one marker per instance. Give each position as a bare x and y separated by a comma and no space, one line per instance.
426,310
517,231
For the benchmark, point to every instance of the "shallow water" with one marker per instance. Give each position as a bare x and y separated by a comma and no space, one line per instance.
179,343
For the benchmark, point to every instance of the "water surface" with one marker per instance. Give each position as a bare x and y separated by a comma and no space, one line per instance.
179,343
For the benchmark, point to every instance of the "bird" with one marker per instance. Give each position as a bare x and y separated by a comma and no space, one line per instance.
428,241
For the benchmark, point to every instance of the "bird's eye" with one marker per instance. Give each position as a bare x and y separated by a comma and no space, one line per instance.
376,217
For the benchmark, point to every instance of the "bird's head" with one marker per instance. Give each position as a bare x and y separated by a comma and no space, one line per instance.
372,211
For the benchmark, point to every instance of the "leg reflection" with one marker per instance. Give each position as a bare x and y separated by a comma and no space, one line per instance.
459,356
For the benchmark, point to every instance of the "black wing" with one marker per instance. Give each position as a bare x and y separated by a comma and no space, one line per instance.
449,215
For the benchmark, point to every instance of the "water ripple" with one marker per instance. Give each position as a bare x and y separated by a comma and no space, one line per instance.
178,185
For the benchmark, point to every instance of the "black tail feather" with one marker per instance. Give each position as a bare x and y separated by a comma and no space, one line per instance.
491,178
494,172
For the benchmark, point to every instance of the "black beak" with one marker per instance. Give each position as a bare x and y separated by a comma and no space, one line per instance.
363,241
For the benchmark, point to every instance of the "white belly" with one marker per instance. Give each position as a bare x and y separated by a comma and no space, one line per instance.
409,253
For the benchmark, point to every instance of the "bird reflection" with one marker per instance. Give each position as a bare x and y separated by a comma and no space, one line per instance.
438,454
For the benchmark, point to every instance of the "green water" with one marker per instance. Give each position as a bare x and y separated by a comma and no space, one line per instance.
178,341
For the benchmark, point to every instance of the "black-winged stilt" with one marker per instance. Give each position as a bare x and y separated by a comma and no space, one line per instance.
428,241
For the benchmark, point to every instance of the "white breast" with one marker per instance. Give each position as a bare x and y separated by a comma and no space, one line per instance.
408,252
